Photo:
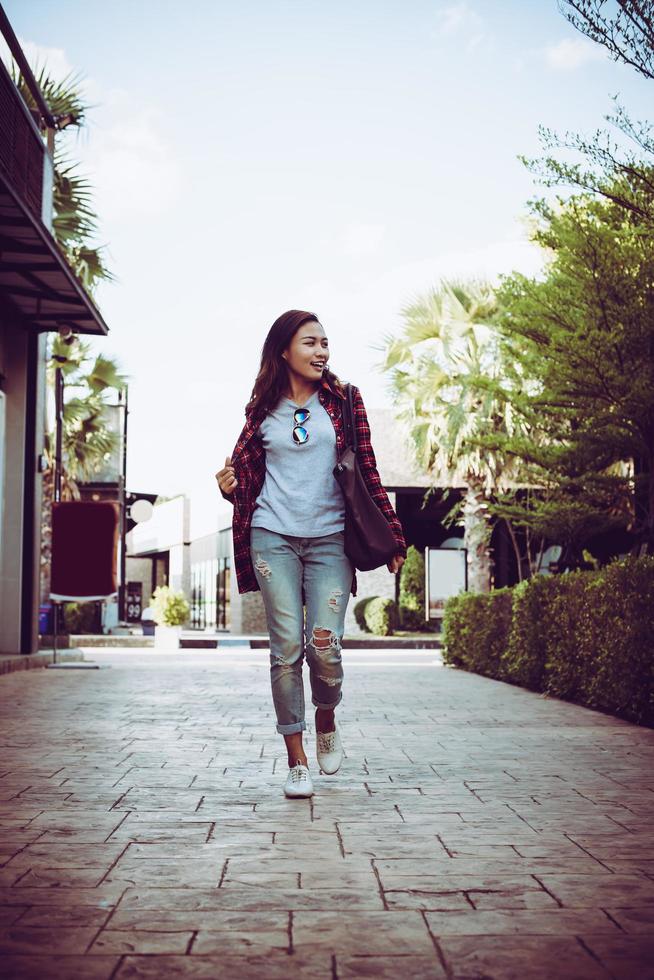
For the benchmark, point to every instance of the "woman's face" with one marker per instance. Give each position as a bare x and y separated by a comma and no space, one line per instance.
308,352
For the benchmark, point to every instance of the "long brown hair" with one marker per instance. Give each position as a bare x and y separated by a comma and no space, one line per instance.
272,379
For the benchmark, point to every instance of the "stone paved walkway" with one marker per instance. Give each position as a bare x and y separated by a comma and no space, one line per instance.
475,829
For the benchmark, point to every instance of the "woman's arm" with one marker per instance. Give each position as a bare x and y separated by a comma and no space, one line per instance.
368,466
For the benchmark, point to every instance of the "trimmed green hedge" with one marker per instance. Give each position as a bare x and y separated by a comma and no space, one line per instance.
381,616
359,611
587,637
475,630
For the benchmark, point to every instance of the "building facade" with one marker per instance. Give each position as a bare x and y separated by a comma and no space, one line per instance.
38,294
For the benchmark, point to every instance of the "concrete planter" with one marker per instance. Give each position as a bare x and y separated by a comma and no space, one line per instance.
167,637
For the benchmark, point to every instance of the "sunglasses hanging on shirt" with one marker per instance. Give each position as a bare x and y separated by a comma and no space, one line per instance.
300,434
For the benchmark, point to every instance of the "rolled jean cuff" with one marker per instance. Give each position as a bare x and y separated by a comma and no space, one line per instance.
296,726
327,707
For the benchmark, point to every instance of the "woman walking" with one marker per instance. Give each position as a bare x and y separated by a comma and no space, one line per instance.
288,528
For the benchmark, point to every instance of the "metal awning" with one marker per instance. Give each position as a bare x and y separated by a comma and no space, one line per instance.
35,278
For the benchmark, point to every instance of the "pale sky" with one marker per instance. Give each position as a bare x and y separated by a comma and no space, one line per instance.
339,157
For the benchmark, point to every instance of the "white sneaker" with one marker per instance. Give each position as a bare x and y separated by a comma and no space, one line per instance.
298,781
329,751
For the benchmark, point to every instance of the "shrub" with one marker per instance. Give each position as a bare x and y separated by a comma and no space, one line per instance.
360,612
412,590
80,617
170,608
523,660
585,636
565,611
381,616
476,630
615,631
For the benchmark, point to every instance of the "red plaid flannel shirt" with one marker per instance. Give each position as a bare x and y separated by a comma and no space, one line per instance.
249,462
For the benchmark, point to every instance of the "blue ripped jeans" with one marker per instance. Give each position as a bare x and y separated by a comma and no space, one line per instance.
285,567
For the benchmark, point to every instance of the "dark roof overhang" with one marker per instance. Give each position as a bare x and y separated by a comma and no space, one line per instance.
35,278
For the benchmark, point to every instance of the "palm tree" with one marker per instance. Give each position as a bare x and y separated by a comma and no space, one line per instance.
74,221
437,366
87,440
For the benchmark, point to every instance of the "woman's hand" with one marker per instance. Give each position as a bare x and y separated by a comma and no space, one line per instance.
395,564
226,479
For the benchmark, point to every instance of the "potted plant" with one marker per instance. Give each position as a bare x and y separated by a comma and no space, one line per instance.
171,611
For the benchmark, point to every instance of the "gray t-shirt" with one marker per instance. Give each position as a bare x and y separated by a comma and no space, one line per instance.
300,495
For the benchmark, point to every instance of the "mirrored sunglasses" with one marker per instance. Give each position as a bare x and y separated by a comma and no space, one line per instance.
300,434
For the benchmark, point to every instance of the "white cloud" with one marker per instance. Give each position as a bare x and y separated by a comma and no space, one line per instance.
54,60
460,19
358,317
362,239
457,17
572,53
132,165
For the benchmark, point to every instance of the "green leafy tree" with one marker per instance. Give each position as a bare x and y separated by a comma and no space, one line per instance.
615,163
448,343
579,496
583,336
90,380
627,32
88,441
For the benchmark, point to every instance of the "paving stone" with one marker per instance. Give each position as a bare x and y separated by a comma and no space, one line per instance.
421,897
259,880
66,916
273,965
586,891
300,862
516,866
65,855
521,922
163,900
631,866
104,896
216,851
29,939
11,913
59,877
381,933
428,891
634,920
46,967
625,957
136,941
183,873
336,877
188,906
144,831
535,957
389,967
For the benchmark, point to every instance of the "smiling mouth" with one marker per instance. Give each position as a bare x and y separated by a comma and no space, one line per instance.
317,364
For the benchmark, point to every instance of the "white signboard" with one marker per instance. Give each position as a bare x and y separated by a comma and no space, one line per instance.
445,576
